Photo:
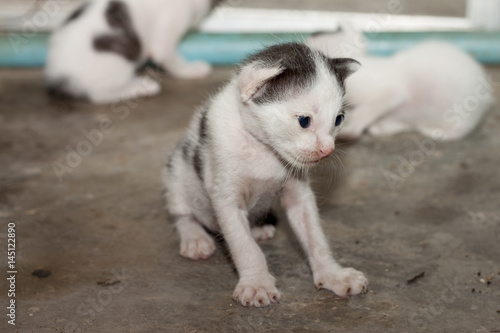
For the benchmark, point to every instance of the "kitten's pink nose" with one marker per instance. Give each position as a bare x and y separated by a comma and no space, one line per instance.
325,151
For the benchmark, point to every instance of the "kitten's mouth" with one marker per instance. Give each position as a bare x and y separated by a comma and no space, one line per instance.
312,162
300,161
308,163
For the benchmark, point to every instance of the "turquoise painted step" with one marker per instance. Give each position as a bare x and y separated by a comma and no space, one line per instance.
483,45
217,49
19,51
229,49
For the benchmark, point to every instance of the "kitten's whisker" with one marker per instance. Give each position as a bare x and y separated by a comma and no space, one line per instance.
342,152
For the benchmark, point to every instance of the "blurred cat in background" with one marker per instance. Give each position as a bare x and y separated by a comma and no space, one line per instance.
433,88
95,54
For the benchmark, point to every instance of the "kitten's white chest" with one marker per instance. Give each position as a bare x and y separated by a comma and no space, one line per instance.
259,173
258,194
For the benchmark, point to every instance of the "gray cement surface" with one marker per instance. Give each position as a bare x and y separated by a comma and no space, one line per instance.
113,256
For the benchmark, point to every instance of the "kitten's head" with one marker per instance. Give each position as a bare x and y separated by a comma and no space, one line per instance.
292,100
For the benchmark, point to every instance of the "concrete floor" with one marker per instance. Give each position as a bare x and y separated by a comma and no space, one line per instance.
113,256
104,223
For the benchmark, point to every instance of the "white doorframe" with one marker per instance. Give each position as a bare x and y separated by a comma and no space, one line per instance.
484,14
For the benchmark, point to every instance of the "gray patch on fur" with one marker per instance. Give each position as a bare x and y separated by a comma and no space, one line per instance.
76,14
340,67
215,3
124,41
202,139
60,88
299,71
186,147
203,128
170,163
198,163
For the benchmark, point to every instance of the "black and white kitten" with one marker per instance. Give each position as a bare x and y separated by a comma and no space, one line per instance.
256,140
96,52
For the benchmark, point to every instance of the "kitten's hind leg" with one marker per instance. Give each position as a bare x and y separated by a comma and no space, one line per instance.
180,68
164,51
265,227
443,134
387,127
196,243
141,86
262,233
369,111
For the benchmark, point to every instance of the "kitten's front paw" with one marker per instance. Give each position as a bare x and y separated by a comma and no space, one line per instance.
342,281
201,247
194,70
258,292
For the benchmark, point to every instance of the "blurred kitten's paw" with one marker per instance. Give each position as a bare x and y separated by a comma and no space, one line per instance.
387,128
342,281
141,87
263,233
200,247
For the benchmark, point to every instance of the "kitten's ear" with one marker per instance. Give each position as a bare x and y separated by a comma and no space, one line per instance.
343,67
252,79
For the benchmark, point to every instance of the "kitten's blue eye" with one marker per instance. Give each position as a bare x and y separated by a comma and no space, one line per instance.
339,120
304,121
